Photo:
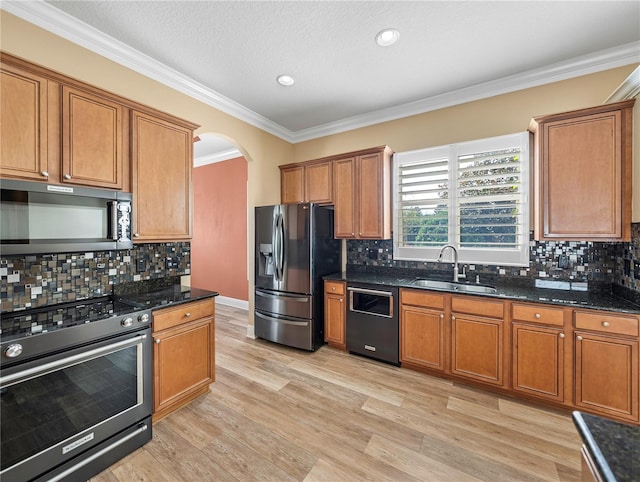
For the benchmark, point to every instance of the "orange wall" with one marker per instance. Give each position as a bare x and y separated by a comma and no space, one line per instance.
219,244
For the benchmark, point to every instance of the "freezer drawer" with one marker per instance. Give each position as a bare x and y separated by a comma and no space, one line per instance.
287,304
287,331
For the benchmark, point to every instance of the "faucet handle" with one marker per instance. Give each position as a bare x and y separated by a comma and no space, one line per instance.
464,272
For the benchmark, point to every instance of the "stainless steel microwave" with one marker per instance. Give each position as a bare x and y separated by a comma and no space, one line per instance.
39,218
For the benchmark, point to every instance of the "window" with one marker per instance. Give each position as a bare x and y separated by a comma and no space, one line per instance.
473,195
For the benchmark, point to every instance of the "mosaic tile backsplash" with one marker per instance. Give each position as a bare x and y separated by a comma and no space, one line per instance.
590,262
33,281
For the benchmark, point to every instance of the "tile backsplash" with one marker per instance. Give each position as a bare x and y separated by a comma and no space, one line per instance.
29,281
591,262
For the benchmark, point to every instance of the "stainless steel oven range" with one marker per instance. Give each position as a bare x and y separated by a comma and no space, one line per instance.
75,389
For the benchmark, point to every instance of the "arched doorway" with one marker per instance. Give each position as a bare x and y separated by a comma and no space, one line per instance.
219,244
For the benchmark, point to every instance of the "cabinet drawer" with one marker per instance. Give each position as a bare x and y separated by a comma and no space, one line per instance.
334,287
538,314
422,298
170,317
473,306
607,323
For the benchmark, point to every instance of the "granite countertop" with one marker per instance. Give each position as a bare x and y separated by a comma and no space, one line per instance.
602,300
614,447
159,293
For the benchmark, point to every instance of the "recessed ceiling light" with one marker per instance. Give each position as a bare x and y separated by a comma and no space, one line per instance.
285,80
387,37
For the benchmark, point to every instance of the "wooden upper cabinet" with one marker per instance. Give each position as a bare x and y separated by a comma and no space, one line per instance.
162,156
92,139
583,174
362,194
318,182
23,124
291,184
344,181
306,182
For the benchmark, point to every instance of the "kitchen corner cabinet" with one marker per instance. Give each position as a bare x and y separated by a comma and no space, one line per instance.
538,348
162,159
306,182
335,314
477,339
362,194
606,364
583,174
183,355
422,329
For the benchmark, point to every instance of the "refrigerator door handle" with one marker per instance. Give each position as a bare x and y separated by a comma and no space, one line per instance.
300,299
276,246
281,320
280,251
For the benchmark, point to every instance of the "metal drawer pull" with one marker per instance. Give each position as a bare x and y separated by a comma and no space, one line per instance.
579,338
45,173
537,315
605,323
561,335
187,315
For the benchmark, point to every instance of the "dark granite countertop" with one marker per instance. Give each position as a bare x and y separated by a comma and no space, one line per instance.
159,293
600,300
614,447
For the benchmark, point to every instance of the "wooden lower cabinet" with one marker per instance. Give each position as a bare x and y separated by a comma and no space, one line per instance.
335,314
422,330
606,375
183,355
538,361
476,348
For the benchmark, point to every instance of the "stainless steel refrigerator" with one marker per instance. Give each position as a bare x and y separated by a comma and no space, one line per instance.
295,248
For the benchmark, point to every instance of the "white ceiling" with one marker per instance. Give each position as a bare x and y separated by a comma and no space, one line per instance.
229,53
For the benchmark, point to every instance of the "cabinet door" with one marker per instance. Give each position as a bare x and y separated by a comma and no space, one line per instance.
344,183
583,176
292,185
162,155
606,375
24,126
538,361
183,362
334,316
422,337
318,182
476,348
92,140
369,192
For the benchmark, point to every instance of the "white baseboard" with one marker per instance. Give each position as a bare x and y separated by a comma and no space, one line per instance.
233,302
251,332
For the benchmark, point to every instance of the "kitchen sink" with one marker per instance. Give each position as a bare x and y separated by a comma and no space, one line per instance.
451,286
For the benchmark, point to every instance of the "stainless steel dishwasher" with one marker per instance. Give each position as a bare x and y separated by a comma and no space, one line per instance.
372,322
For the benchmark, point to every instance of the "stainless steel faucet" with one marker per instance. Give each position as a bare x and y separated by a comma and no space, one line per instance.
455,260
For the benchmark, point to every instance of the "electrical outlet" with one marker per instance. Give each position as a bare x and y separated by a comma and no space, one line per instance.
563,261
141,266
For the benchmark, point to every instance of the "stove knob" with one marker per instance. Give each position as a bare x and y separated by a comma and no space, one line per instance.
143,318
127,322
13,350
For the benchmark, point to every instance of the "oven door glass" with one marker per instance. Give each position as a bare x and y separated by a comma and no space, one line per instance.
371,302
48,405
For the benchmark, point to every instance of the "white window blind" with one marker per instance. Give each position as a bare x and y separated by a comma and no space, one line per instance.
473,195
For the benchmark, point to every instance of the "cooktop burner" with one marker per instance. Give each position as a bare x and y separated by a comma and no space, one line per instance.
56,317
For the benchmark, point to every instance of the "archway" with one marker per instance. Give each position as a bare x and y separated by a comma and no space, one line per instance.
219,244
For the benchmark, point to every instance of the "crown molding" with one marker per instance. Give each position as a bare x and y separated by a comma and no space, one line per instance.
217,157
60,23
629,89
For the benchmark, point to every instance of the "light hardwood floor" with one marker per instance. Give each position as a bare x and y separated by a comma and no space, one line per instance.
280,414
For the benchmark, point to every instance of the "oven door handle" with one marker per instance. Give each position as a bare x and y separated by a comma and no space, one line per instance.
387,294
71,360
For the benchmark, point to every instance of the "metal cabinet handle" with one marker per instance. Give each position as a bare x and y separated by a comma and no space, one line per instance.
442,316
67,176
187,315
333,288
605,323
157,340
453,318
45,173
537,315
136,235
341,300
579,338
561,335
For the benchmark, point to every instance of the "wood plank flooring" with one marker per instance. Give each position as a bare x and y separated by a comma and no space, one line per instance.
280,414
